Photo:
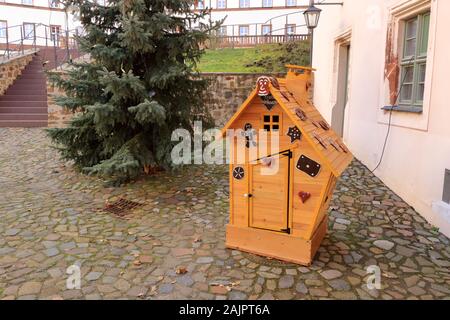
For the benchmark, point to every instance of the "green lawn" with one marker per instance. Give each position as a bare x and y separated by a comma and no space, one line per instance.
230,60
263,58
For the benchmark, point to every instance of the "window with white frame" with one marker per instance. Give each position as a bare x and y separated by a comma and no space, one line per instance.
244,3
3,28
244,30
266,29
221,4
54,33
200,4
28,30
27,2
222,31
414,61
267,3
291,3
290,29
53,3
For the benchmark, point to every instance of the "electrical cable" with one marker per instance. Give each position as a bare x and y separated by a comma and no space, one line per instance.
390,117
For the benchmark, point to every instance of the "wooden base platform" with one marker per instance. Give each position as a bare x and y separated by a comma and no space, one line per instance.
276,245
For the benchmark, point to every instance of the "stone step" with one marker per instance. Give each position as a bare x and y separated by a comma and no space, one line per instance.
28,104
24,116
23,97
4,110
23,124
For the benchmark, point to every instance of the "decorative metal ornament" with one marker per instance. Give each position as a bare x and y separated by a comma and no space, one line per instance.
238,173
249,135
294,133
308,166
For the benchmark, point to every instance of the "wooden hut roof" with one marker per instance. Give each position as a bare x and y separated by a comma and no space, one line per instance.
310,122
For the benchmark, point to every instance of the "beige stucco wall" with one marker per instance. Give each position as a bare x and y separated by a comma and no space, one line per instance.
418,150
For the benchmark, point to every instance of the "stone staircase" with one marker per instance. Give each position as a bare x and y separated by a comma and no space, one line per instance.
24,103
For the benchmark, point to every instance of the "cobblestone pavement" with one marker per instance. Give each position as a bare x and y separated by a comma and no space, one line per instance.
173,246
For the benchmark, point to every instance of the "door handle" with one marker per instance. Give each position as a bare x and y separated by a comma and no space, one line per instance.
248,195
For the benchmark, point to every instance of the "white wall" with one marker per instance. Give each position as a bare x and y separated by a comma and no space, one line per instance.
256,15
418,150
16,13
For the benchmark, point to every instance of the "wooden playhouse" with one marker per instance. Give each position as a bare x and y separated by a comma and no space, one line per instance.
283,215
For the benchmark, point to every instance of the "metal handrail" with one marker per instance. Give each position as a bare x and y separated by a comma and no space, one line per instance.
18,45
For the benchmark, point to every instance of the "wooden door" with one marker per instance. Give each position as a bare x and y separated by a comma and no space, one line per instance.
269,193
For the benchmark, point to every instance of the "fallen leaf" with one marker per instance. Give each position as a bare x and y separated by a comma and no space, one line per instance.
137,262
181,270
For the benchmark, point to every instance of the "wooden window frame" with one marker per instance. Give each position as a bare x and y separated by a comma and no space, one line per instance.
416,61
271,123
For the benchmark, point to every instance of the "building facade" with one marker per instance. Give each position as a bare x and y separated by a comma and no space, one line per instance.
257,17
382,81
43,22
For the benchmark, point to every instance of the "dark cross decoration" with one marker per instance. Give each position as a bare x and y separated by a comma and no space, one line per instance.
249,135
294,133
238,173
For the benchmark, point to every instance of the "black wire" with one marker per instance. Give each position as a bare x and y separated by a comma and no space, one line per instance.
390,117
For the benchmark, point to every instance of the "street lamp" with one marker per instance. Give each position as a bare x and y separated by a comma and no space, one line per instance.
312,15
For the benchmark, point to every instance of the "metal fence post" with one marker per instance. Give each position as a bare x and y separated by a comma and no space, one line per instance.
22,32
54,48
34,36
7,43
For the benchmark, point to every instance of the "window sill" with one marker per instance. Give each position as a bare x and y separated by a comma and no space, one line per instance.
407,109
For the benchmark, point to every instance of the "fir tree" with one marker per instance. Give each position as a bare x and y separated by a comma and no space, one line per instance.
140,84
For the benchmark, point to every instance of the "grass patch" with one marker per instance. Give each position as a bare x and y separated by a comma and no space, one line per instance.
263,58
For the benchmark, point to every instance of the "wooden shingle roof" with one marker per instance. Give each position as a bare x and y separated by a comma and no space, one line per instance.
310,122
